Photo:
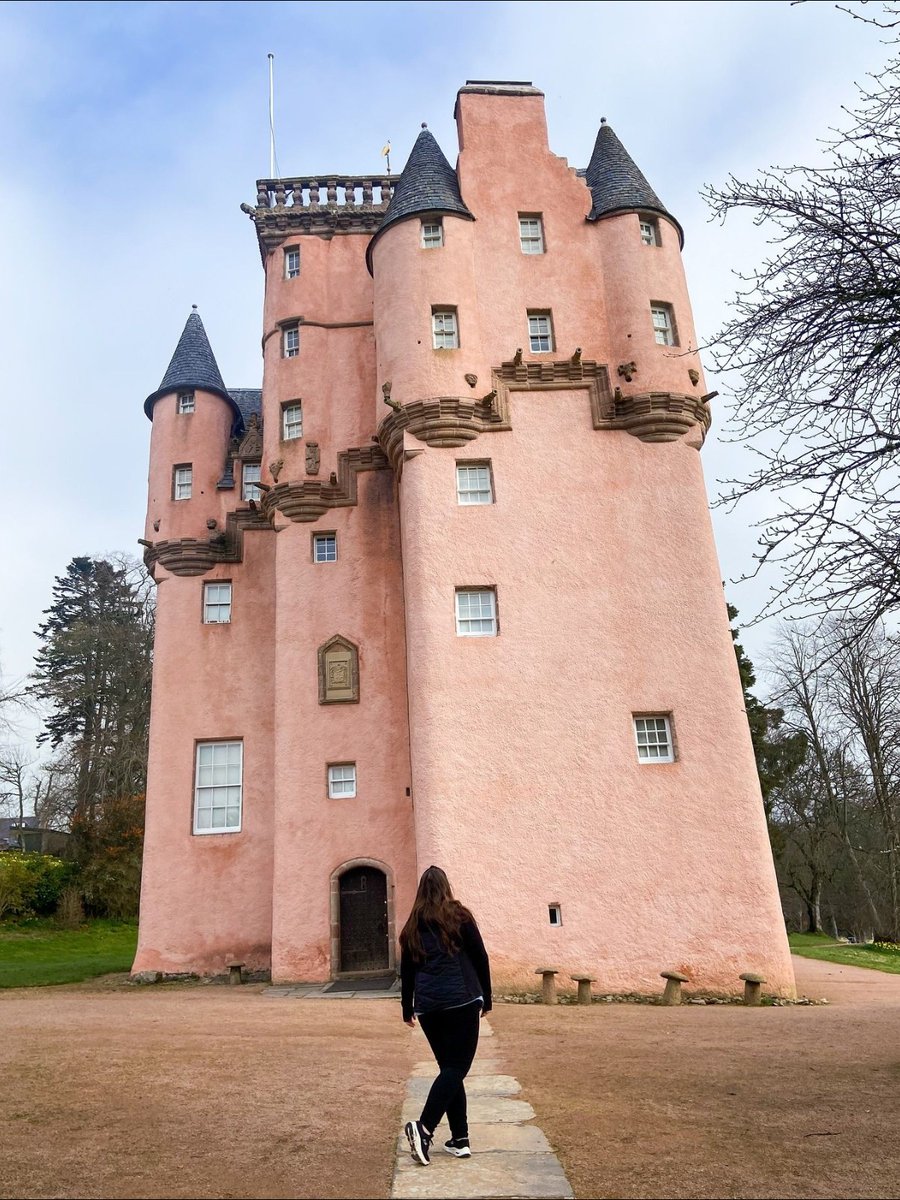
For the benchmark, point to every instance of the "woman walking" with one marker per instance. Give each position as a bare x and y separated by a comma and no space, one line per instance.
445,981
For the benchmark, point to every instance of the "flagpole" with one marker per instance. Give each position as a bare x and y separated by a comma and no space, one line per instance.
271,116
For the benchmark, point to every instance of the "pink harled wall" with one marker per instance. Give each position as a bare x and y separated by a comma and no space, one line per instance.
526,781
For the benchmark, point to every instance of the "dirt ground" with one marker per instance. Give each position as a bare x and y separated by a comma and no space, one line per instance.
114,1091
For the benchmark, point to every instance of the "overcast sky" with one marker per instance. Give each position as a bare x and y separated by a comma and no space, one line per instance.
133,131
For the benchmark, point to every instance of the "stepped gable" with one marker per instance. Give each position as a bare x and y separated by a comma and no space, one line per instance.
617,184
427,184
194,366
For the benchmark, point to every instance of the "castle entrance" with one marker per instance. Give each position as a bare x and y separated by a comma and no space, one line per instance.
364,920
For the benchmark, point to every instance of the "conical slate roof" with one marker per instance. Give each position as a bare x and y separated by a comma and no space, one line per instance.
427,184
194,365
616,182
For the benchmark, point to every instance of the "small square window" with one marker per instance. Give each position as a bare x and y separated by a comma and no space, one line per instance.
250,477
654,739
663,324
476,612
473,483
182,481
432,234
217,603
341,781
650,231
540,332
324,547
531,233
291,341
445,332
292,262
555,911
186,402
218,787
292,420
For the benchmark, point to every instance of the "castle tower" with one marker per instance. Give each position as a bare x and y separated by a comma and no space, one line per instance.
485,625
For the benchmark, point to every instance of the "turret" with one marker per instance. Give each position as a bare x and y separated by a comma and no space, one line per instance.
194,419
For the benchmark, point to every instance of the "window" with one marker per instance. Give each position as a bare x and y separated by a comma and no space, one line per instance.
250,476
432,234
292,262
341,780
540,332
444,329
185,402
292,421
555,914
654,739
476,613
663,324
650,231
531,234
217,794
216,603
182,481
324,547
473,483
291,341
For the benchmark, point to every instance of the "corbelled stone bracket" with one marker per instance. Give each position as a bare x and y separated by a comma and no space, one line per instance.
191,556
308,499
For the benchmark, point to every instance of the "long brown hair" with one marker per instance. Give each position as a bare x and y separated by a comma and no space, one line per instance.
435,906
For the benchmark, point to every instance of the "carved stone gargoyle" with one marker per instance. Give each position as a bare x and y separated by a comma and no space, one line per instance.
626,370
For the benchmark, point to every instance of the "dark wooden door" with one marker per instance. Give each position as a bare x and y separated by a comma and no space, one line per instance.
364,923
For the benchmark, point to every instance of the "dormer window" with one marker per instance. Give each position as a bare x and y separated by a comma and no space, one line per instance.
649,231
185,402
432,234
250,477
292,262
290,341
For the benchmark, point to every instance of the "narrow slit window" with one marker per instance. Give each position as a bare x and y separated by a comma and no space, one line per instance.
531,233
182,481
292,262
555,911
186,402
476,612
341,781
218,787
250,477
473,483
663,325
324,547
653,735
292,421
444,328
540,332
217,604
291,341
432,234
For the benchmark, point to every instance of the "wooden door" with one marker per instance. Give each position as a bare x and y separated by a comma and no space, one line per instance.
364,923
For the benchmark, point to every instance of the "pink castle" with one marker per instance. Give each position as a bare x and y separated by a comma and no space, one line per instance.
446,590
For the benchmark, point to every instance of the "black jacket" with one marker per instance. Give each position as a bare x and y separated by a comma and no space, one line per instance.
444,979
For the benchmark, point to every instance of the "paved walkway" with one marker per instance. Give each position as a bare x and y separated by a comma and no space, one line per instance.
509,1157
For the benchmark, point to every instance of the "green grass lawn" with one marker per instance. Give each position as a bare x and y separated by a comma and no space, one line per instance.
819,945
36,953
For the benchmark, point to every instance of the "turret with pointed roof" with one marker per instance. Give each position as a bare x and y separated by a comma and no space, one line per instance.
617,184
193,366
427,184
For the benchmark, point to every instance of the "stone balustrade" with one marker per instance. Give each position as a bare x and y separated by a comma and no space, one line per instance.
325,191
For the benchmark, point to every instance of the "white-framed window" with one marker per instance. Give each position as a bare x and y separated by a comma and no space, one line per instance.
324,547
251,473
663,324
290,341
654,739
182,481
531,233
473,483
540,332
649,231
217,791
476,612
444,329
186,402
216,603
341,781
432,234
292,420
292,262
555,911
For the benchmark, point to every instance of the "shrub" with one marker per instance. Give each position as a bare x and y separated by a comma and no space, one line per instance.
31,883
70,910
15,884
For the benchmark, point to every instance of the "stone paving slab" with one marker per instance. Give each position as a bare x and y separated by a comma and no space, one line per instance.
476,1085
483,1176
500,1135
481,1066
483,1109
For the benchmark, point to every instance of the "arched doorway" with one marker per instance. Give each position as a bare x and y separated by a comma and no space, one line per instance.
363,924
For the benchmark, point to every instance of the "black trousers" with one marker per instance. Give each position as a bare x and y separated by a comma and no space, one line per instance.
453,1038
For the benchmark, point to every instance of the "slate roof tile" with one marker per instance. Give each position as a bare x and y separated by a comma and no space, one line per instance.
617,184
194,365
